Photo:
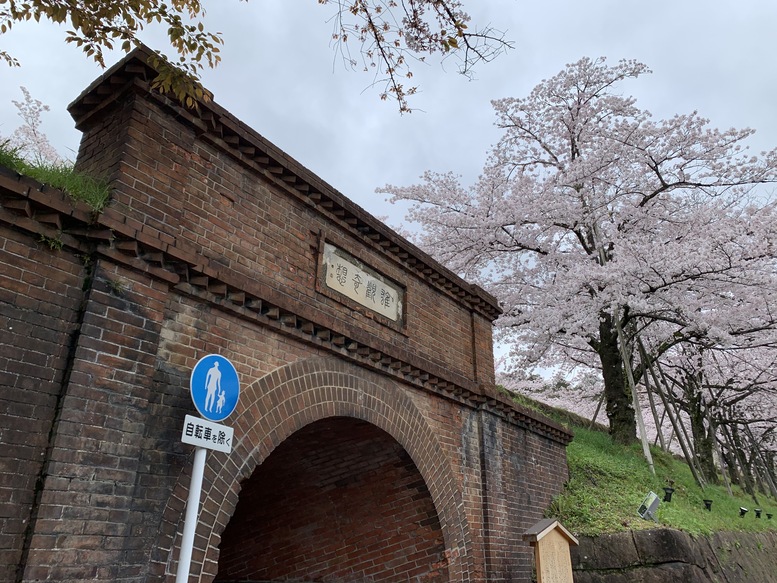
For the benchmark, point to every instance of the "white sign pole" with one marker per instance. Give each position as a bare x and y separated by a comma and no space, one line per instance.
215,390
192,514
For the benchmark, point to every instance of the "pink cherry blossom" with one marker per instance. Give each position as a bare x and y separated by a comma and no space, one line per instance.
595,225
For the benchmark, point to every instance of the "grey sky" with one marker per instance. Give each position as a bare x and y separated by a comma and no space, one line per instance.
280,76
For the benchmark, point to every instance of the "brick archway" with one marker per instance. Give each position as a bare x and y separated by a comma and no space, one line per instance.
275,407
339,500
217,239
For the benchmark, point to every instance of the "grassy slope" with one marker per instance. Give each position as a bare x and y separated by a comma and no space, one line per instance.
608,483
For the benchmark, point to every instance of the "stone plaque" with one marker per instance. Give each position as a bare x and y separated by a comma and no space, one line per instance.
351,278
551,543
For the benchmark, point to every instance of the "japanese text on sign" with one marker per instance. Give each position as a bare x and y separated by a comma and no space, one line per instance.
346,276
207,434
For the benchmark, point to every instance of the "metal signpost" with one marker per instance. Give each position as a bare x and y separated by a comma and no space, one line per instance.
215,390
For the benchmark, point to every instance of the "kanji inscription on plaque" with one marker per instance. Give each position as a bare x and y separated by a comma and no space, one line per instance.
348,276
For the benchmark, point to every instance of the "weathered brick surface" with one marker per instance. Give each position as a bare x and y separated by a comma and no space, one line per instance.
39,301
337,488
88,503
365,449
521,473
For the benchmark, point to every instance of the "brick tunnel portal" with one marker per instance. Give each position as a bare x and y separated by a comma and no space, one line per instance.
339,500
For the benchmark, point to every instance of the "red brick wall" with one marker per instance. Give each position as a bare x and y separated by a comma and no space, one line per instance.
185,192
211,245
521,472
339,500
88,509
40,294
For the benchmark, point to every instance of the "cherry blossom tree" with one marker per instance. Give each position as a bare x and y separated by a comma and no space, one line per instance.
728,394
28,140
596,225
389,34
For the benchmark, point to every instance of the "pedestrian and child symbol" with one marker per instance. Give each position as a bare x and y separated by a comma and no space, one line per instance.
215,388
213,385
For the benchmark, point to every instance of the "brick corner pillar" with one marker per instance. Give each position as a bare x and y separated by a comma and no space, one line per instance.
97,509
521,472
87,517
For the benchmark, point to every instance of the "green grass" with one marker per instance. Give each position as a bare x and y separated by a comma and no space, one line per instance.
80,187
609,481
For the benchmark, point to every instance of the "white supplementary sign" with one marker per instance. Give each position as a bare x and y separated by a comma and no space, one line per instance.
203,433
346,276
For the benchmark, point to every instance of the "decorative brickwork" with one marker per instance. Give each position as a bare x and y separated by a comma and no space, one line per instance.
293,397
367,448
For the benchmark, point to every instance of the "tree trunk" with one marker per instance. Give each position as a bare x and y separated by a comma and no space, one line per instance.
769,461
702,438
732,466
623,424
744,465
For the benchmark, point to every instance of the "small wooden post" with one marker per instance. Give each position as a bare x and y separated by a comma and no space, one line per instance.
551,542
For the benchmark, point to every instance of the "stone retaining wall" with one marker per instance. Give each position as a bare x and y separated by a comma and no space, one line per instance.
665,556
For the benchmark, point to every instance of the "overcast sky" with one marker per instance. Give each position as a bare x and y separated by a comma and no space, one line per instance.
280,76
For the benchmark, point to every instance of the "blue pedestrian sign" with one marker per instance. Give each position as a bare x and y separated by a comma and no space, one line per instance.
215,387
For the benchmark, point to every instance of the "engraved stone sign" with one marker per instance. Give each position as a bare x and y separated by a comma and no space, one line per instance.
551,543
348,276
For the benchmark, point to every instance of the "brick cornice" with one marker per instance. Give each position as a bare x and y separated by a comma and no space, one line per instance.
33,207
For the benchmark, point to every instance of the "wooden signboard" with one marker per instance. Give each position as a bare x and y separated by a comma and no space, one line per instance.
551,543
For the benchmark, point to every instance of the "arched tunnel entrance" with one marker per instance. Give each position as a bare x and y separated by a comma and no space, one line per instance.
339,500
